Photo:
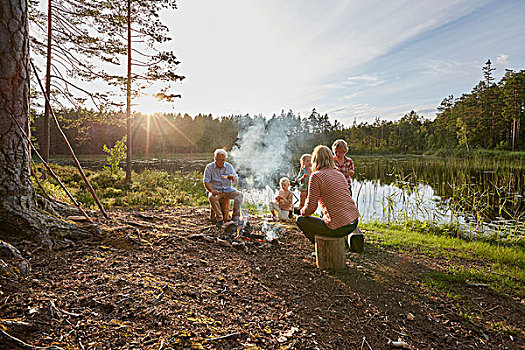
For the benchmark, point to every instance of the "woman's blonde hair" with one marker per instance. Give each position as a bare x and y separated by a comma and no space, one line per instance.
340,144
322,158
303,158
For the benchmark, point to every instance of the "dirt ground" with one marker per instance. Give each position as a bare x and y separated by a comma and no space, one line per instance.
166,279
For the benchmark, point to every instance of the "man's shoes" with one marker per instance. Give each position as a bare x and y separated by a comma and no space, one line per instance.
356,241
219,223
297,211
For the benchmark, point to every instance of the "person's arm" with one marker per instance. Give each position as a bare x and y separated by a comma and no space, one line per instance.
206,179
233,175
210,189
351,167
299,177
235,179
314,193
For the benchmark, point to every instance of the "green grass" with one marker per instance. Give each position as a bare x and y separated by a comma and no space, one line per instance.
148,188
500,266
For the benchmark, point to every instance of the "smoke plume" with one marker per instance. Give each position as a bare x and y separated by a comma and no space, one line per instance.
262,154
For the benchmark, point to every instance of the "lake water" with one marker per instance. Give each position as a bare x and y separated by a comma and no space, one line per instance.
484,196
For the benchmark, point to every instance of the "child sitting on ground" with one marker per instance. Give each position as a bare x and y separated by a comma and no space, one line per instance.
302,178
283,202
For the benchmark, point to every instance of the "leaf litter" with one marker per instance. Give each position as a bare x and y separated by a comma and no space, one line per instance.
166,278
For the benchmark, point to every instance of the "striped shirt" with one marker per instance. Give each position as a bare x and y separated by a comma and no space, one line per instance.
329,188
347,168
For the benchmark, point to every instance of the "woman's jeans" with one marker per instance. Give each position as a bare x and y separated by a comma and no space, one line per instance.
312,226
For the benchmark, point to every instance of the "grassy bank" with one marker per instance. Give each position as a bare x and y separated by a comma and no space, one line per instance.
492,264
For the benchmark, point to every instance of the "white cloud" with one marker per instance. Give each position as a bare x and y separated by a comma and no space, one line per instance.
355,94
438,67
363,80
502,59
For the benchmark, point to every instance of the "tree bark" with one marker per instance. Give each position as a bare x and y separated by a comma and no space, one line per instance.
330,253
128,100
46,141
16,190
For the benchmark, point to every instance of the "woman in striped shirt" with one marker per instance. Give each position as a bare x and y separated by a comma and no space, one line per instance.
328,188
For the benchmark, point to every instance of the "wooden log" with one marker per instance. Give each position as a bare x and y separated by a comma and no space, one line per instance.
225,206
330,253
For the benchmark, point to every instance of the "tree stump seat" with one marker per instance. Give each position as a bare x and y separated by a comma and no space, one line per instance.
225,208
330,253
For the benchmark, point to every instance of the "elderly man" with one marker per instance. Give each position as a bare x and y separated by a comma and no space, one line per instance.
218,178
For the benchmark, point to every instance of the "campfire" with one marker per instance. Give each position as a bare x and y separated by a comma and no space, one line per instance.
261,233
246,231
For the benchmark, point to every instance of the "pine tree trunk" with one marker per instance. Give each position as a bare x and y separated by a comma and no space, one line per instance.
46,138
128,100
19,213
16,190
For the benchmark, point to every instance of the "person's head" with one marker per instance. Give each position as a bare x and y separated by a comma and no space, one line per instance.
306,160
322,158
340,147
220,156
285,183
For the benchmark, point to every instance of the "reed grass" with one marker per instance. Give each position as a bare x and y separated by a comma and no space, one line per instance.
480,204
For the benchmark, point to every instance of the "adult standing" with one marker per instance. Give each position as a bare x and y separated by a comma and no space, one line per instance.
328,188
219,176
343,163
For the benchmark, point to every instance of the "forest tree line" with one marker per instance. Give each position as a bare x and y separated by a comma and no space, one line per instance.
491,116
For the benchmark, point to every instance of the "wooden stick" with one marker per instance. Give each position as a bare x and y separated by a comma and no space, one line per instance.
39,184
224,337
23,345
15,323
77,163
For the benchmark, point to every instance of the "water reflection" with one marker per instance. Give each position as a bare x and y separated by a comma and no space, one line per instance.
483,196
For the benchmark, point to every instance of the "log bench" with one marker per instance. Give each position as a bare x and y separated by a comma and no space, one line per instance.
330,253
225,207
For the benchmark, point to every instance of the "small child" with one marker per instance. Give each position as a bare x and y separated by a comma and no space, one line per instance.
303,178
283,202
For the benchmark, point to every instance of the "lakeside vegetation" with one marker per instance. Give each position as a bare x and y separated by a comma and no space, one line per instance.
487,191
151,187
161,188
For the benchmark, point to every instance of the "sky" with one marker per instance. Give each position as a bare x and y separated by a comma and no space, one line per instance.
354,60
